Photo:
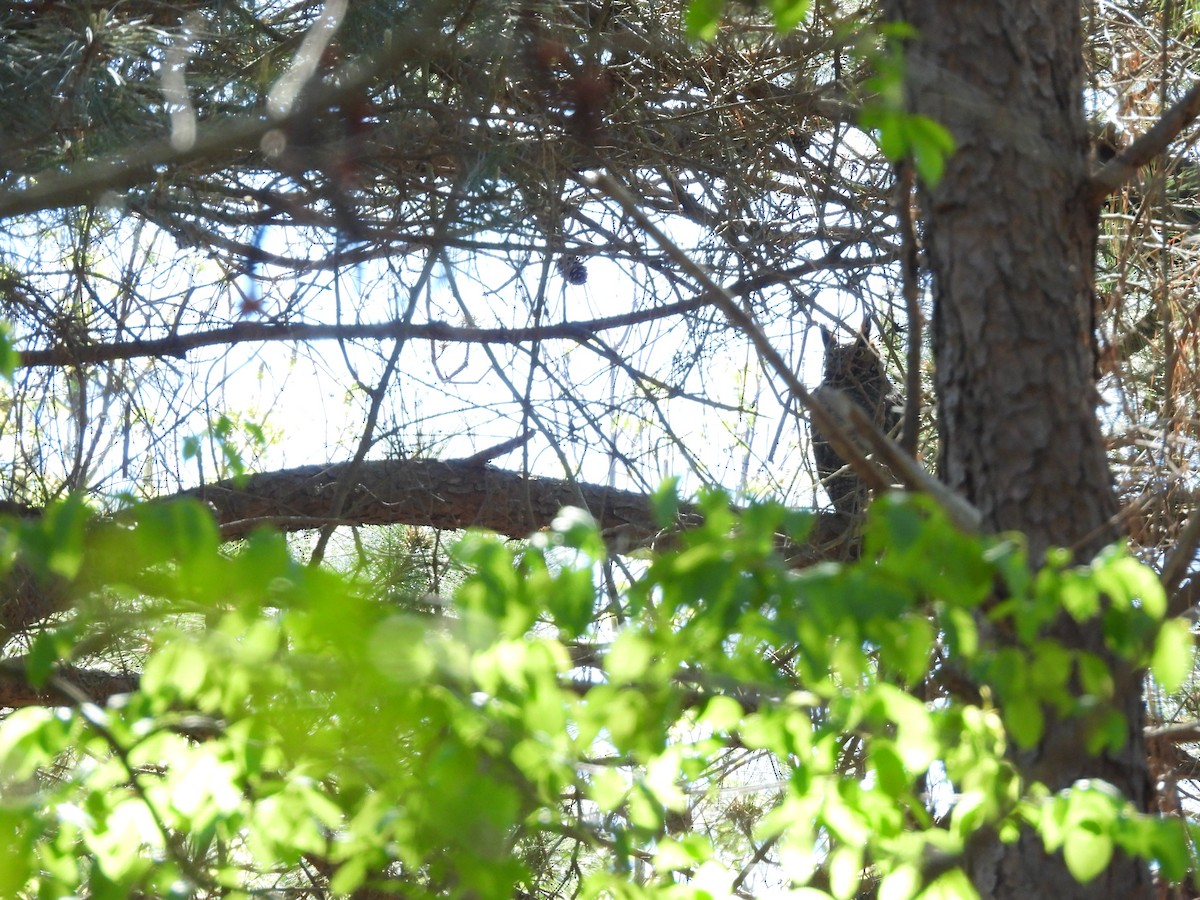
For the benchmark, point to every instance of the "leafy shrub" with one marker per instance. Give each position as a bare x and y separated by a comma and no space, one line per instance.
727,724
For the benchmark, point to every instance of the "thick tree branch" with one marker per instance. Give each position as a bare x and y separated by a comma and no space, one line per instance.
452,495
1175,732
94,684
448,495
435,493
1176,566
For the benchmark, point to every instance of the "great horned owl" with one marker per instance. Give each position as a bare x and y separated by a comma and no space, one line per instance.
856,370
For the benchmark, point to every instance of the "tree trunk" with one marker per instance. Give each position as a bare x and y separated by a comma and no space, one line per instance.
1010,235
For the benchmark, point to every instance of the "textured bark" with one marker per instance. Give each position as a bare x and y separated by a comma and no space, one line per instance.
451,494
1011,238
1010,233
96,685
441,494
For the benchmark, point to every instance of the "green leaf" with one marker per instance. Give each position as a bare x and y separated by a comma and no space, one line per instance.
789,13
578,529
952,885
686,851
10,359
408,634
1165,841
29,739
901,883
645,812
702,17
664,503
892,135
845,871
54,544
1095,675
1173,657
1024,719
722,714
1049,668
931,144
1051,822
900,134
571,600
1125,580
889,768
349,876
178,671
120,847
1087,852
1108,732
631,654
1168,845
48,649
962,632
608,789
1079,595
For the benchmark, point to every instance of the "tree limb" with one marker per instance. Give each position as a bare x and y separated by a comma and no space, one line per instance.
452,495
178,345
446,494
1125,164
93,684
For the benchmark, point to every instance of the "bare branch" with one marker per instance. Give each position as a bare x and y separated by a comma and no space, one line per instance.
487,454
1177,562
1175,732
1126,163
179,345
93,685
440,494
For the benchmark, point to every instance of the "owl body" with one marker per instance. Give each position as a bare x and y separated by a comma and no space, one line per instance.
856,370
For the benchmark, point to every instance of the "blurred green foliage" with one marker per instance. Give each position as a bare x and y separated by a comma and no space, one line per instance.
290,725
